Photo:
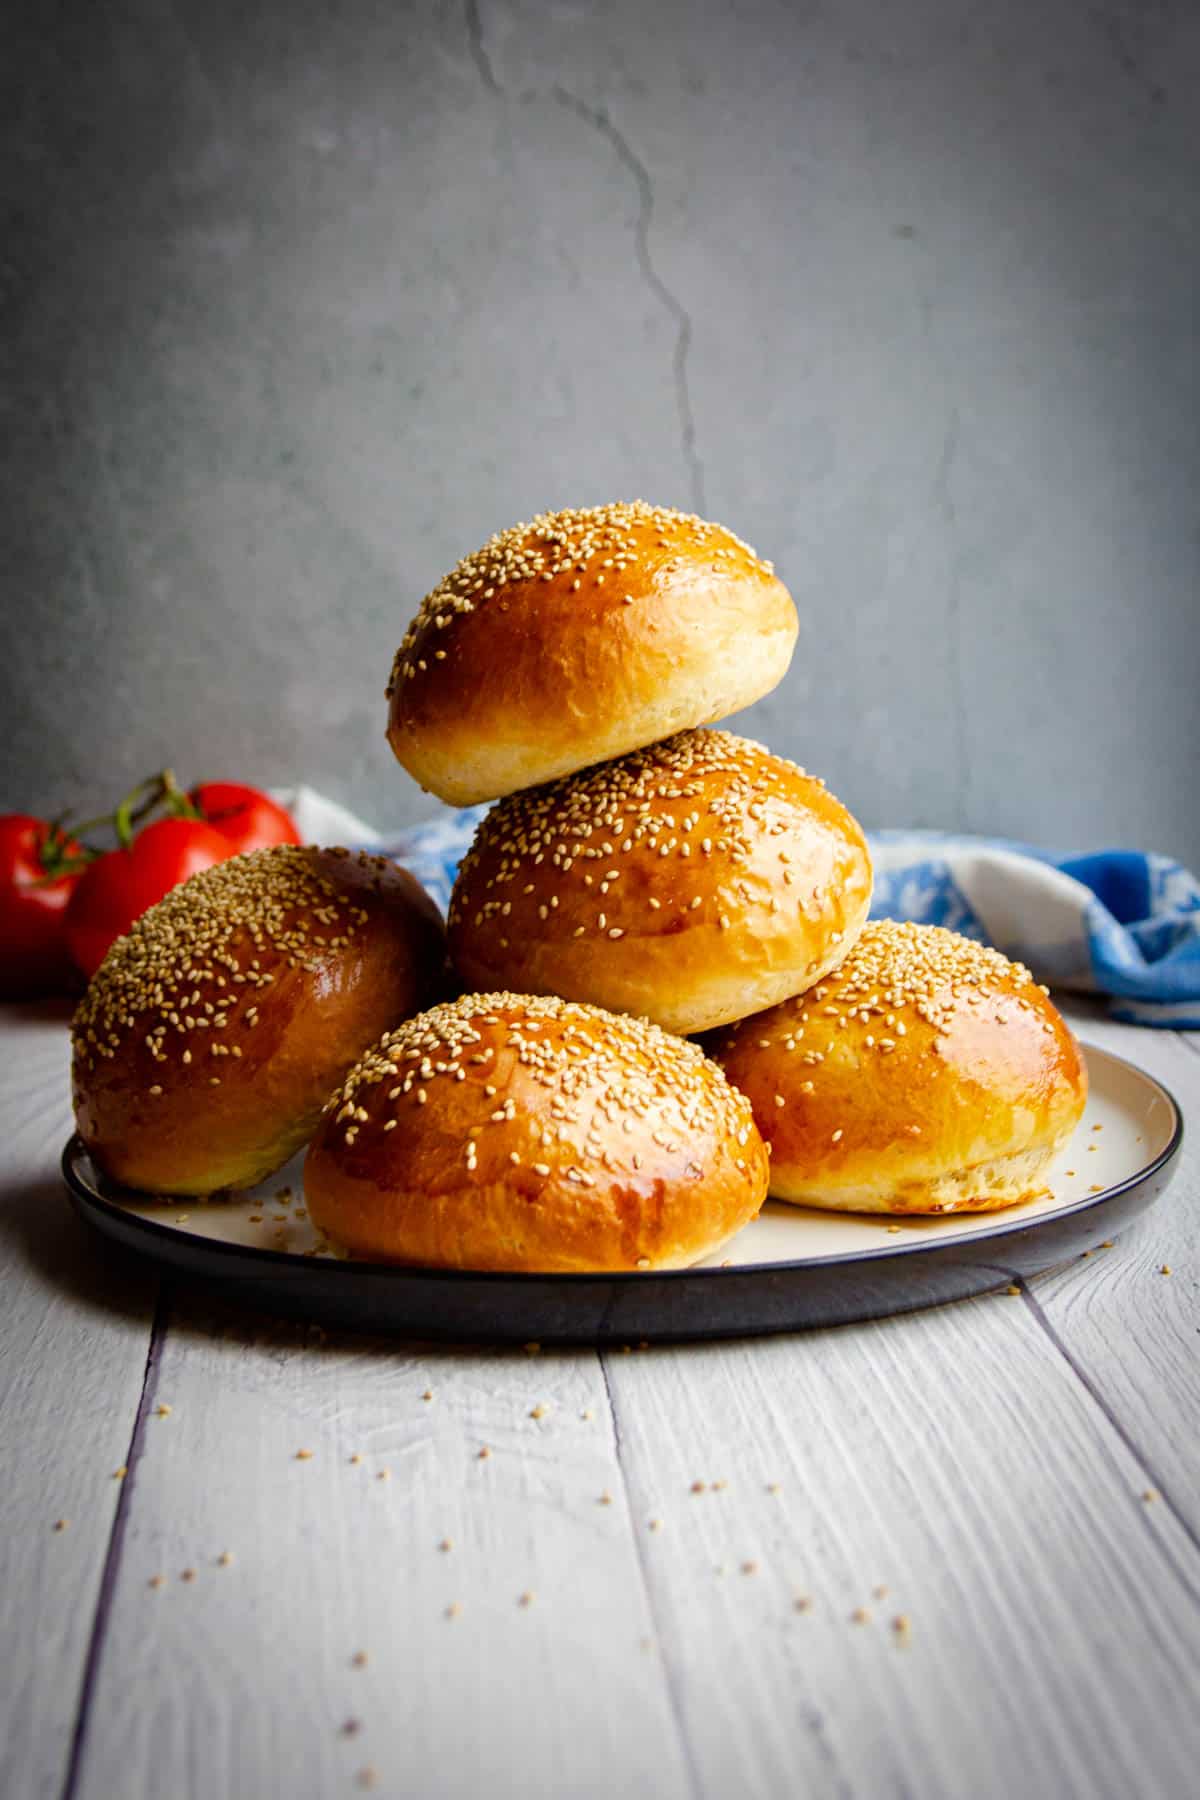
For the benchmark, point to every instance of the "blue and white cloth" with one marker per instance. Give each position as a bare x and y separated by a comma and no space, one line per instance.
1117,922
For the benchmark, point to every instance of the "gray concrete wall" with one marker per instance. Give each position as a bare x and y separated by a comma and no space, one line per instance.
301,301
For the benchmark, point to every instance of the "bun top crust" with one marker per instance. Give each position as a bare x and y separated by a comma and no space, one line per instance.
504,1131
922,1055
694,882
579,636
212,1033
210,949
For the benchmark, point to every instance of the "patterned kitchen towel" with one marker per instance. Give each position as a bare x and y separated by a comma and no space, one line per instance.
1116,922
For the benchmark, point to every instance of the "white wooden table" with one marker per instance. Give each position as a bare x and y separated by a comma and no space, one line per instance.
1018,1478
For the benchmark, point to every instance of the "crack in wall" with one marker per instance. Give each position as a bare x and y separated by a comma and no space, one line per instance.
479,55
599,121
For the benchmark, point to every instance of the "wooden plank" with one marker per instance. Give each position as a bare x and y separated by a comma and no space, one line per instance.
241,1680
1132,1332
74,1330
954,1457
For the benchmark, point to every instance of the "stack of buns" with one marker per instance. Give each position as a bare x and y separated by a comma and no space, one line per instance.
638,880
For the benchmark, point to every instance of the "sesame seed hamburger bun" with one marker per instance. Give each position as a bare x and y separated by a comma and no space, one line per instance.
692,883
573,639
212,1034
524,1134
926,1075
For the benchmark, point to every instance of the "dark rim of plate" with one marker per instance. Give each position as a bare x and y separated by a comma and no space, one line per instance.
74,1151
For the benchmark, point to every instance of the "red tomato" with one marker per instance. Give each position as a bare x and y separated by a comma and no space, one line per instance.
118,888
249,819
33,901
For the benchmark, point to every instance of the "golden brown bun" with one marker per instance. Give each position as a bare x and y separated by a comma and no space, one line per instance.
505,1132
578,637
213,1033
925,1075
693,883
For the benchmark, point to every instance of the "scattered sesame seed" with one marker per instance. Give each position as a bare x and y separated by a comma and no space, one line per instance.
802,1603
860,1616
303,1455
539,1411
1012,1288
526,1599
162,1410
902,1629
359,1660
605,1499
1150,1495
446,1544
61,1524
453,1610
484,1454
749,1568
225,1559
1166,1269
119,1474
188,1575
157,1581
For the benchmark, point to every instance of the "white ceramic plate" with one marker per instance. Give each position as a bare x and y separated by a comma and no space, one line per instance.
810,1267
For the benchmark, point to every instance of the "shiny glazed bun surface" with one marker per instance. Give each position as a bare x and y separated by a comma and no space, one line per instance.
513,1133
578,637
927,1074
692,882
213,1033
